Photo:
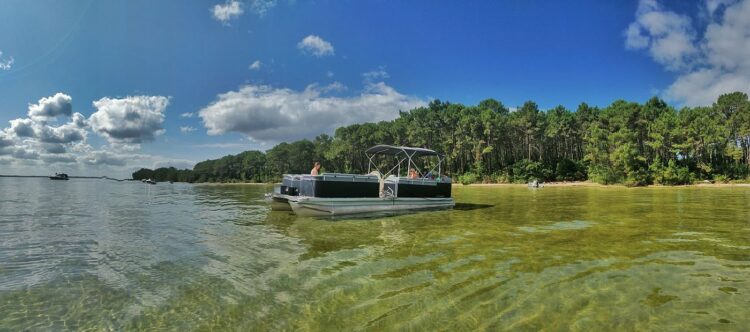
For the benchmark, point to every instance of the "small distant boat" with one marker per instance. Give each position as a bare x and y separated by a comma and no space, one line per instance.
536,184
59,176
149,181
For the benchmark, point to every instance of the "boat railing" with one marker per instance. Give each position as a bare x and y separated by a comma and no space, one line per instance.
295,178
421,180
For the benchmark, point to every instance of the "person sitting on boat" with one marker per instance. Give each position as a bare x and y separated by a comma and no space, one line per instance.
316,168
413,174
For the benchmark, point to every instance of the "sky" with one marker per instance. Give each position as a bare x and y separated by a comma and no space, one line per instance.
106,87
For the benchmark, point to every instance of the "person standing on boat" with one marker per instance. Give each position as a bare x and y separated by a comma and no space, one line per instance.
316,168
413,173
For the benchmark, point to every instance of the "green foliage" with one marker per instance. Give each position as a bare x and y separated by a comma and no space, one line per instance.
526,170
625,142
721,178
570,170
468,178
165,174
672,174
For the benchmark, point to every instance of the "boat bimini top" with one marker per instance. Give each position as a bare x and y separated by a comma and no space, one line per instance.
404,156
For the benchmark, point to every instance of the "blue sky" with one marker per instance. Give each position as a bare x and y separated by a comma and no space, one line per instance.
320,64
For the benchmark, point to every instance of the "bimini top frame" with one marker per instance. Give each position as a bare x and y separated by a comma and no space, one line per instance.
403,154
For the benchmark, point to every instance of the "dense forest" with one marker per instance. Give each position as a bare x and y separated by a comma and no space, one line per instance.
628,143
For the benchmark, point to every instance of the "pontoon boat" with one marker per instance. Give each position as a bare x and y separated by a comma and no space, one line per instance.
331,194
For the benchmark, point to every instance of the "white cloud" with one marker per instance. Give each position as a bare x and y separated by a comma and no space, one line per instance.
37,129
329,74
30,145
22,152
54,148
265,113
713,5
187,129
316,46
714,64
51,107
5,140
66,133
375,75
255,65
261,7
6,63
22,127
105,158
668,36
227,11
187,115
232,9
59,158
131,120
333,87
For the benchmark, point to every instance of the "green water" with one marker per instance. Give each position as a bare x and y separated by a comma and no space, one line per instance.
94,254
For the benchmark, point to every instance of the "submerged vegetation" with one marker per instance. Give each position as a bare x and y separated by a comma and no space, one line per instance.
626,142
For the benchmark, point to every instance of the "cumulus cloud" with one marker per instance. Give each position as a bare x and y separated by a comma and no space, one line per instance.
24,153
54,148
29,145
37,128
66,133
713,5
5,140
187,115
22,127
227,11
59,159
265,113
28,138
316,46
51,107
668,36
129,120
255,65
707,67
105,158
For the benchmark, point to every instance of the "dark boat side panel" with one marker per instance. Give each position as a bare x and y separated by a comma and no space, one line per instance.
338,189
417,190
344,186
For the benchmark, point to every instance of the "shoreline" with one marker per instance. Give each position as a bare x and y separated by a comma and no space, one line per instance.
599,185
546,184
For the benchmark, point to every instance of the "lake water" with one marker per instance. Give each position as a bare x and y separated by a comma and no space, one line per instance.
97,254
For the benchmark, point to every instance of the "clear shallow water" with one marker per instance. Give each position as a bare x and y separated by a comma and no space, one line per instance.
100,255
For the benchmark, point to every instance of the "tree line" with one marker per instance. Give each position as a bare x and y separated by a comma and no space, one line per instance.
625,142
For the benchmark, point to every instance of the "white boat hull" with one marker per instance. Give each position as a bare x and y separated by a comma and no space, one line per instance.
317,207
279,202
